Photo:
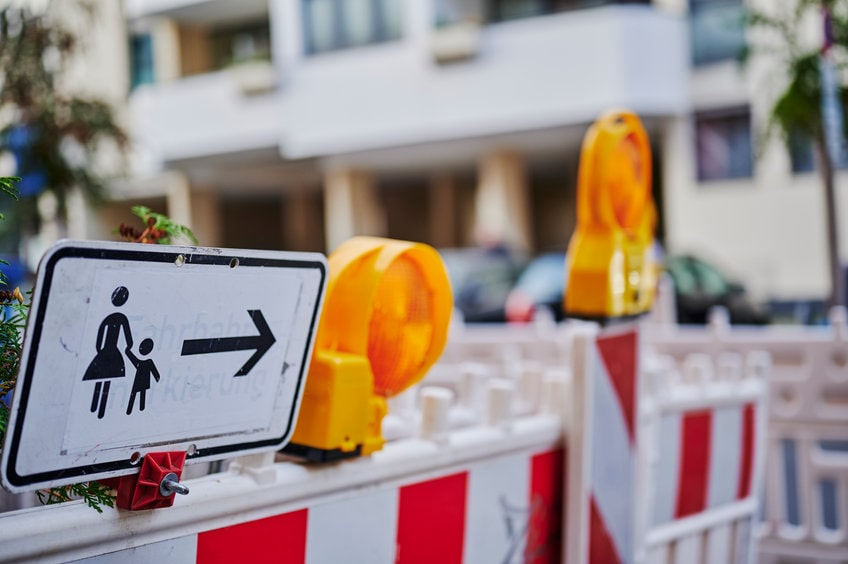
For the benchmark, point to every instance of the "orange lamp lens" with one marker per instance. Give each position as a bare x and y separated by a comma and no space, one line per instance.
401,328
390,301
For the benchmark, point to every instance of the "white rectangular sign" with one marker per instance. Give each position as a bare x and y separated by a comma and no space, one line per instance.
131,349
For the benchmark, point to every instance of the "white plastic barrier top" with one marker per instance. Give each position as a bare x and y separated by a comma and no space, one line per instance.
486,478
804,515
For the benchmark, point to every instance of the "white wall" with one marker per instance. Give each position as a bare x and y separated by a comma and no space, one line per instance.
529,74
203,115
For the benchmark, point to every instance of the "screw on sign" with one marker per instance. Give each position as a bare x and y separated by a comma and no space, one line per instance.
134,350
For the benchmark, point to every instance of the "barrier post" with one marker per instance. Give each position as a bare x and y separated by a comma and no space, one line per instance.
601,499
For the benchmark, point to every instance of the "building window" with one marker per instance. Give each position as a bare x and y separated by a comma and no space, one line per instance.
503,10
141,60
718,30
801,153
241,44
723,144
341,24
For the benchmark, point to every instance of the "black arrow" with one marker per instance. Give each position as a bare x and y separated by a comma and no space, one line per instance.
261,342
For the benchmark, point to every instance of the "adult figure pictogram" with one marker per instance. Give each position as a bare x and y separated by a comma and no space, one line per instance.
109,362
144,369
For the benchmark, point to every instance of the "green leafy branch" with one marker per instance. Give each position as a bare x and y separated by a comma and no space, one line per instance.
8,187
159,229
13,317
94,494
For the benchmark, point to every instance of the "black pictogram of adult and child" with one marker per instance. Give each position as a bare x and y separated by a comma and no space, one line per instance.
108,364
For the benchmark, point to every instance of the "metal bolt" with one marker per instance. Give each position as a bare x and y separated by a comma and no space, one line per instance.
170,485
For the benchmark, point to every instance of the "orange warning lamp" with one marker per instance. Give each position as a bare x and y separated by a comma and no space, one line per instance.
384,324
611,271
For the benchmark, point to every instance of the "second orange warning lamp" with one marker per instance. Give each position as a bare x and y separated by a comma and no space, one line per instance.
384,324
611,268
388,303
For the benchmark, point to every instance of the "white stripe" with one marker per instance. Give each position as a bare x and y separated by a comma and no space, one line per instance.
613,462
718,545
687,550
360,529
667,469
725,452
743,541
179,550
498,510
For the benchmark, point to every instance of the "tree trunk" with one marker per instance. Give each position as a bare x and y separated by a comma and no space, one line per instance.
837,282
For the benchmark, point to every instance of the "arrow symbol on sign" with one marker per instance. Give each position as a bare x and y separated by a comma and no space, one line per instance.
260,343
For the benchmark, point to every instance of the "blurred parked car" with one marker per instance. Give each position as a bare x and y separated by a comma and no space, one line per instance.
541,285
481,278
699,286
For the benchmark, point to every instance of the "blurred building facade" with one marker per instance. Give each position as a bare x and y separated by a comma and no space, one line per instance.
295,124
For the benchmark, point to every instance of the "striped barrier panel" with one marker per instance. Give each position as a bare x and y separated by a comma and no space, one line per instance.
706,460
501,510
602,491
702,479
806,470
487,493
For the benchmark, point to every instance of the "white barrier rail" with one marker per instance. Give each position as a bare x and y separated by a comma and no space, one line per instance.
806,483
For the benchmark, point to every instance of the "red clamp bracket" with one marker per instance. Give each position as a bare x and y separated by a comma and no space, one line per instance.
155,484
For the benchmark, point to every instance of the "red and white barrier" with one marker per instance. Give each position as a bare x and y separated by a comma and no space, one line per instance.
706,460
551,450
506,509
806,478
477,495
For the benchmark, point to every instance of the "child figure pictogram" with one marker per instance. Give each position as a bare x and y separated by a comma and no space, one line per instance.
144,369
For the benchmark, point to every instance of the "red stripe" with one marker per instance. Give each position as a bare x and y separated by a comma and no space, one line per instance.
695,464
544,532
431,521
278,539
618,353
601,548
746,465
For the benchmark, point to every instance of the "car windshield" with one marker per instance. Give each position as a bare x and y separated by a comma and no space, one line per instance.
712,281
480,278
544,279
693,275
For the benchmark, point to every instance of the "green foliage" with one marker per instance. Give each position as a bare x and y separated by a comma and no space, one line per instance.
94,494
12,322
159,229
13,317
797,110
7,186
13,312
64,130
